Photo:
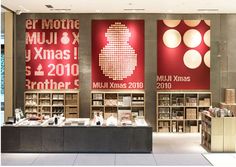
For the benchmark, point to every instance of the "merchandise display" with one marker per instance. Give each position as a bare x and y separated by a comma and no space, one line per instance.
97,119
218,130
125,117
229,101
217,112
181,111
112,102
140,121
76,122
111,120
49,103
230,96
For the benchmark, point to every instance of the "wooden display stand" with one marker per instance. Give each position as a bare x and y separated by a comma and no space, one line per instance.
112,102
181,111
218,133
52,103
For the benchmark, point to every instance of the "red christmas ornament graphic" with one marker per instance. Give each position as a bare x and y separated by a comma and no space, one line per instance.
183,54
117,59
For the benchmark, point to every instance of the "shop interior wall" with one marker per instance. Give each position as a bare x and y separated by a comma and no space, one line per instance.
223,55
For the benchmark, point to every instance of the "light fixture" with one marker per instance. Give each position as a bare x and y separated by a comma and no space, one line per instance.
208,10
98,11
134,10
18,12
60,10
49,6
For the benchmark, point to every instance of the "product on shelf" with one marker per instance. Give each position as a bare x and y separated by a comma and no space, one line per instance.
97,96
125,117
124,101
177,108
97,118
48,103
111,120
229,96
140,121
76,122
217,112
205,102
191,113
111,102
191,101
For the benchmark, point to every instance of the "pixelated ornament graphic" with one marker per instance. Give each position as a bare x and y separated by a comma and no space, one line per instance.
117,59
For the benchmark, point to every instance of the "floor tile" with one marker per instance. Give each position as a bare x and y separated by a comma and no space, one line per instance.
172,143
20,159
221,159
95,159
135,159
55,159
181,160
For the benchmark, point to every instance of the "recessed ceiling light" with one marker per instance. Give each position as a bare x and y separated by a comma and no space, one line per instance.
129,9
60,10
208,10
98,11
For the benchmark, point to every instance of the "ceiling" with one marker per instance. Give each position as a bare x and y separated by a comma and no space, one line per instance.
121,6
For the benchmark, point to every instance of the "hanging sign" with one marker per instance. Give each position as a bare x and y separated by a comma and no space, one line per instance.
51,55
118,54
183,54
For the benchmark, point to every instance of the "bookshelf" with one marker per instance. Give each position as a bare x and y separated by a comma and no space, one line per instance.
112,102
181,111
49,103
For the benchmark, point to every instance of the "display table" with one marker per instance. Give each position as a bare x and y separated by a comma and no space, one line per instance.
76,139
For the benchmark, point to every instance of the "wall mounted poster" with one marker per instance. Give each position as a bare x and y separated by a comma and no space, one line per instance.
52,58
118,54
183,54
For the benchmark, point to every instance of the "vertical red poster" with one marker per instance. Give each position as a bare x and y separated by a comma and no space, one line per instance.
183,54
52,58
118,54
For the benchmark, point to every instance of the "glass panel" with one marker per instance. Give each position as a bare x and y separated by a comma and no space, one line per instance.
2,66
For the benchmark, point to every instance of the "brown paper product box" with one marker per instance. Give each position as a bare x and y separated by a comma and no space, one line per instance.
164,129
229,96
187,129
193,129
191,113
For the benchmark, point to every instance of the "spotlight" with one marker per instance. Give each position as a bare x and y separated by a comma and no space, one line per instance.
18,12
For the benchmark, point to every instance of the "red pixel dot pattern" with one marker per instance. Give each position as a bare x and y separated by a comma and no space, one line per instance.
117,59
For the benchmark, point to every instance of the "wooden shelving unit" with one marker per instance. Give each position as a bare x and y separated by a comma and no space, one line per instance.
218,134
212,133
181,111
111,102
52,103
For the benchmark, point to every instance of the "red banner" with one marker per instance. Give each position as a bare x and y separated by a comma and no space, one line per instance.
118,54
52,58
183,54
